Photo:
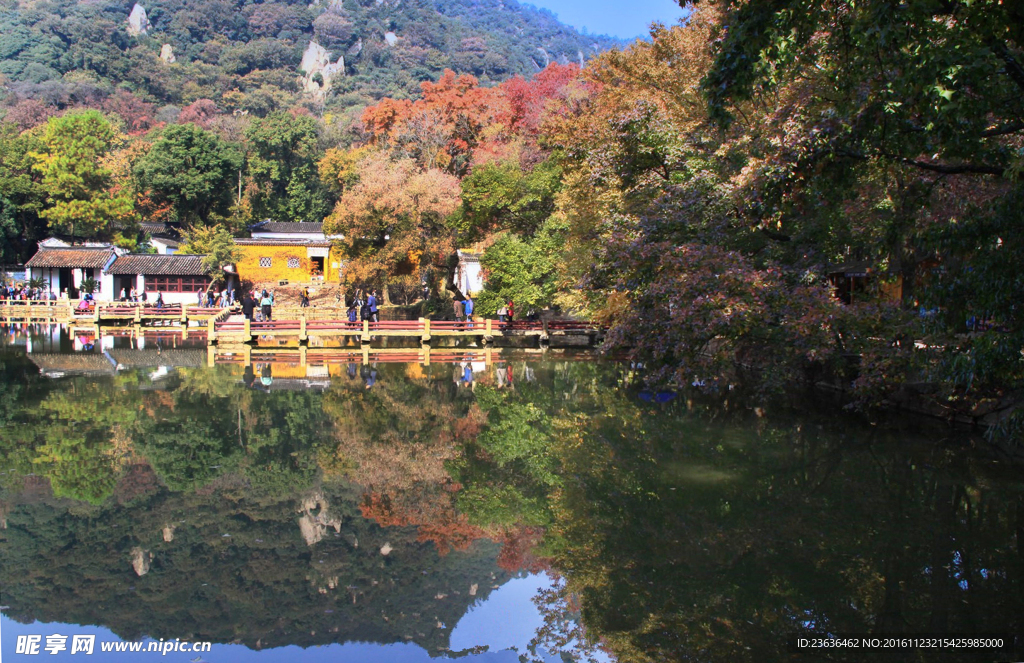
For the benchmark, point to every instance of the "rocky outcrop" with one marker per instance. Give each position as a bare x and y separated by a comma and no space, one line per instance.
319,70
141,558
138,21
314,521
167,54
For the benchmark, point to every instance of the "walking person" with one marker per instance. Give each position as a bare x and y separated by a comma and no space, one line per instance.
502,313
304,298
248,306
372,303
266,306
457,305
468,306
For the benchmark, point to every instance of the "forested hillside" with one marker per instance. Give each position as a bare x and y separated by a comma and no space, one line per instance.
249,55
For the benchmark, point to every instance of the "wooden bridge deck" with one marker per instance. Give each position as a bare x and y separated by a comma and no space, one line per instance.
305,356
222,325
72,312
243,331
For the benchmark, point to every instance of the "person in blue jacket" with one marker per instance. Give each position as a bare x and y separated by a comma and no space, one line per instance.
371,301
468,307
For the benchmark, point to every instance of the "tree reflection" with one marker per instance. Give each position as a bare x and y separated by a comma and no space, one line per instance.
739,535
676,531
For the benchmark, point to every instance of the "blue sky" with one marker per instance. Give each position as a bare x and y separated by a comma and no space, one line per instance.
613,17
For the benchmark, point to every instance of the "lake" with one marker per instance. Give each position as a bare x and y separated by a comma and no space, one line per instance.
497,506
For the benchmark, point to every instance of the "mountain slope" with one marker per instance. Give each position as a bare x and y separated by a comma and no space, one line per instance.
248,56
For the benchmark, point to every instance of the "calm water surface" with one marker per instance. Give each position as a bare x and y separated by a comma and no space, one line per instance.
516,506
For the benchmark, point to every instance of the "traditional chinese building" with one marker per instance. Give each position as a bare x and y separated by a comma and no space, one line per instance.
165,239
177,277
66,268
293,252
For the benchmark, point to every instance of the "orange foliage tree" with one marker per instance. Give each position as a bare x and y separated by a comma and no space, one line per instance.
393,220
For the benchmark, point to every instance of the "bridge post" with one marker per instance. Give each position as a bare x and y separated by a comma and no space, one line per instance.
488,331
426,354
247,331
425,336
184,314
365,338
138,314
211,331
302,328
211,356
302,355
544,335
96,313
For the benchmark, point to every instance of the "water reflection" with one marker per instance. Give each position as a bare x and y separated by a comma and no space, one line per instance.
297,499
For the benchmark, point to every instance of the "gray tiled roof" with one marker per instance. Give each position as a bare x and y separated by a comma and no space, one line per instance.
160,265
163,357
289,227
78,362
71,257
266,241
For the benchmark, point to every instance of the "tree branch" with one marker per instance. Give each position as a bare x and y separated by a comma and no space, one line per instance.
774,236
1013,68
961,169
945,169
1003,130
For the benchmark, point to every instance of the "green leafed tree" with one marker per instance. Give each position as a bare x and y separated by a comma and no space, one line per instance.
21,195
282,169
522,270
213,242
192,169
505,196
79,200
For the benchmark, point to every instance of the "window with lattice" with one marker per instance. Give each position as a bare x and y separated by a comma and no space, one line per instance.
293,263
265,262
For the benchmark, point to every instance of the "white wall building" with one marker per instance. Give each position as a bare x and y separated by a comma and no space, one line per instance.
469,278
176,277
164,245
66,268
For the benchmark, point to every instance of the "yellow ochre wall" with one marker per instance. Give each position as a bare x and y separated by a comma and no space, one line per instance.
249,266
